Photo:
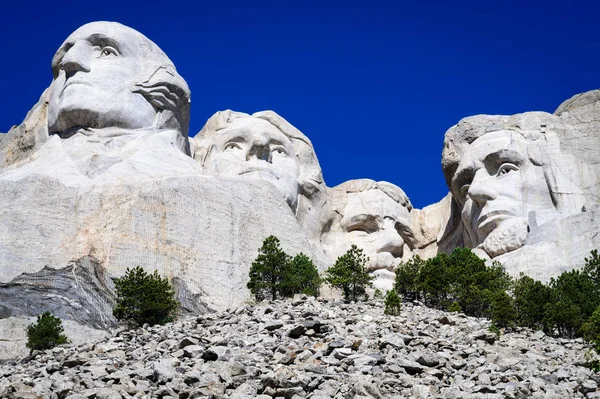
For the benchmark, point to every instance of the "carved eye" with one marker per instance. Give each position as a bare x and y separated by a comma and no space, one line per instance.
279,150
506,168
366,227
464,189
231,147
107,51
360,228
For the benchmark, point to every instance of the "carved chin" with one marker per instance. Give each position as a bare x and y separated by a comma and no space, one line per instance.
506,238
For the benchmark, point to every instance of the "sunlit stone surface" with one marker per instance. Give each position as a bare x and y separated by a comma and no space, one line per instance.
101,176
523,195
374,216
110,184
267,148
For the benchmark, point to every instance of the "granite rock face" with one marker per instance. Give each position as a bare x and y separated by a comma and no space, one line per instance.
265,147
521,187
101,176
376,217
111,185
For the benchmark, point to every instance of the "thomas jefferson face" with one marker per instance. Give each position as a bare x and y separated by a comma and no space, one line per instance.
253,148
95,71
498,186
376,223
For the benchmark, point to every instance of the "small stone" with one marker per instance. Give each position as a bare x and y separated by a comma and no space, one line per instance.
187,341
297,331
273,326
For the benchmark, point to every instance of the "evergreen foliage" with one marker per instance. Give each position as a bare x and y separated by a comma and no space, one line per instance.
144,298
274,274
269,271
407,278
302,277
575,297
454,307
393,304
530,298
45,333
349,274
460,280
503,311
566,307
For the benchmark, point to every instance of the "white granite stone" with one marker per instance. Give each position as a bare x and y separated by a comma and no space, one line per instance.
265,147
375,216
512,179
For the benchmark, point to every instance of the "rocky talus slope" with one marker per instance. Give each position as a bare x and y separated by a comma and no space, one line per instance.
308,348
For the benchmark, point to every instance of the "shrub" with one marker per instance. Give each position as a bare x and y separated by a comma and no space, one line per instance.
144,298
393,304
434,281
591,333
349,274
269,271
503,312
407,282
46,333
473,283
591,328
574,299
592,267
454,307
531,297
302,277
377,295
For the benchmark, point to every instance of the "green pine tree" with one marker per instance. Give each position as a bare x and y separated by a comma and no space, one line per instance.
46,333
144,298
349,274
393,304
302,277
269,270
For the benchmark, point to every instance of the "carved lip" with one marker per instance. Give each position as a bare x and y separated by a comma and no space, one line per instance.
258,170
493,216
73,82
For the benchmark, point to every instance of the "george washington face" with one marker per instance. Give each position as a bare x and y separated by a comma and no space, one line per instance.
95,70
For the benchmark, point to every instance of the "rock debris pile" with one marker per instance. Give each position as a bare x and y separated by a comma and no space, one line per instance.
309,348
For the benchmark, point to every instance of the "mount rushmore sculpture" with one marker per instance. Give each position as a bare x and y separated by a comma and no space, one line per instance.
101,176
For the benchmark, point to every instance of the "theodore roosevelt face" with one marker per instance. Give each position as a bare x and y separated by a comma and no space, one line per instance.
254,148
498,186
95,71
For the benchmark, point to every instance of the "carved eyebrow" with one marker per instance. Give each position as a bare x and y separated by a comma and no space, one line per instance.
462,177
493,160
276,142
363,217
98,39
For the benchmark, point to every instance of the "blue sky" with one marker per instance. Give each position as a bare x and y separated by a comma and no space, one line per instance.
373,84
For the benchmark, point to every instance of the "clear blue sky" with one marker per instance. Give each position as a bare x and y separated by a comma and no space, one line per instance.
373,84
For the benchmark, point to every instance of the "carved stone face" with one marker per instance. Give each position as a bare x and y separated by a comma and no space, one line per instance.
375,223
95,71
498,186
255,149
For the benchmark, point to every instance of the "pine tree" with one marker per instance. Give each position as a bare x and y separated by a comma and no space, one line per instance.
269,270
302,277
46,333
144,298
393,304
349,274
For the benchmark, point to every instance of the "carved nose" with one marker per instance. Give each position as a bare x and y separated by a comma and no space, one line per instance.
75,60
260,149
390,241
481,189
